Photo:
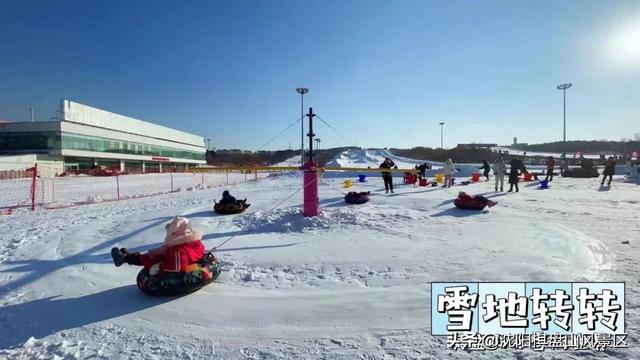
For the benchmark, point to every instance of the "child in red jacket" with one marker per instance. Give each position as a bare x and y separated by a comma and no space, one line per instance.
182,246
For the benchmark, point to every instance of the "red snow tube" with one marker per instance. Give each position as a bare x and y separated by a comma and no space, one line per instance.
469,204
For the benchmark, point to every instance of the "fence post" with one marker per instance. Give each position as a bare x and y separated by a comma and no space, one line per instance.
202,181
256,175
118,185
227,171
34,175
171,182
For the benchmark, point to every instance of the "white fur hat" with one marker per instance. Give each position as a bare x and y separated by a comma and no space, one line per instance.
179,232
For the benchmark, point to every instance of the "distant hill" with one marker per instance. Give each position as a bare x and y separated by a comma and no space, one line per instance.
459,155
592,146
246,158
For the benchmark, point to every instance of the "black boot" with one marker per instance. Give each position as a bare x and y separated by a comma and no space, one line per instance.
118,256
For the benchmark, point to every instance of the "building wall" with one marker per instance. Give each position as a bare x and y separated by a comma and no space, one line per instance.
83,114
95,136
49,166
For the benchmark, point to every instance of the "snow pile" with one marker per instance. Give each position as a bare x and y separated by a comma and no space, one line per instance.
37,349
93,199
291,220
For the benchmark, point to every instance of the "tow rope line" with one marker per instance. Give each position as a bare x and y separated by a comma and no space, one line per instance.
215,248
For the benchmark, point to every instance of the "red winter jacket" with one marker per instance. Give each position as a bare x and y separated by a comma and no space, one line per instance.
551,164
176,258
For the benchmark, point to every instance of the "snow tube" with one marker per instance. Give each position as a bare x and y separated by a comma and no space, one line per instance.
228,209
544,184
469,204
580,173
200,274
357,198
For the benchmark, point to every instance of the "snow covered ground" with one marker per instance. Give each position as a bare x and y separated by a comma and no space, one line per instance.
351,283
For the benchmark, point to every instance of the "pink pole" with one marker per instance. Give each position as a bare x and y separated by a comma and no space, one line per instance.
118,185
311,200
34,178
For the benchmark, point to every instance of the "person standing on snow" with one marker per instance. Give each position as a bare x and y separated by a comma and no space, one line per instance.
448,169
499,169
609,170
514,172
486,167
386,175
550,165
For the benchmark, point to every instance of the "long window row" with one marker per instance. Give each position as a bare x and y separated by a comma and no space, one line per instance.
90,143
54,141
37,141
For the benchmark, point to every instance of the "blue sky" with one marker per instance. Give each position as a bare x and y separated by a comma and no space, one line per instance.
383,73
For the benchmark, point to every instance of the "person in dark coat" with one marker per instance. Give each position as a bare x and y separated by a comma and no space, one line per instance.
227,199
486,167
423,170
386,175
514,172
609,170
550,165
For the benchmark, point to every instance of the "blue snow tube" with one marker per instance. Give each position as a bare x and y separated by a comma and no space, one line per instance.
201,273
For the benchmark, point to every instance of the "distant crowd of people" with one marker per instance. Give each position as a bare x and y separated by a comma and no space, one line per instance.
516,169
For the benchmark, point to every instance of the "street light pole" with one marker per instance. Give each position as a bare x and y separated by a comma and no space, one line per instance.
302,91
564,88
441,143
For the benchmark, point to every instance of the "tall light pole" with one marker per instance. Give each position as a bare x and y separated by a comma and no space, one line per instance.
564,88
302,91
317,140
208,144
441,144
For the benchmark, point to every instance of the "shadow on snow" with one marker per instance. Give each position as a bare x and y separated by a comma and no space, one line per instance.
43,317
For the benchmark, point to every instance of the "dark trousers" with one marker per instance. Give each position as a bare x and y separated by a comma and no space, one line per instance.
549,175
486,174
133,259
604,177
481,198
388,182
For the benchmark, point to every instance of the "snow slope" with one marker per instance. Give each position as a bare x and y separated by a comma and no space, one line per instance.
363,158
351,283
292,161
372,158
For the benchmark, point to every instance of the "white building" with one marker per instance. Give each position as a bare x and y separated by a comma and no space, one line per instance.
87,137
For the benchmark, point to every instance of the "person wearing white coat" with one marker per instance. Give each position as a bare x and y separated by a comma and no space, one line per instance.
448,169
499,169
